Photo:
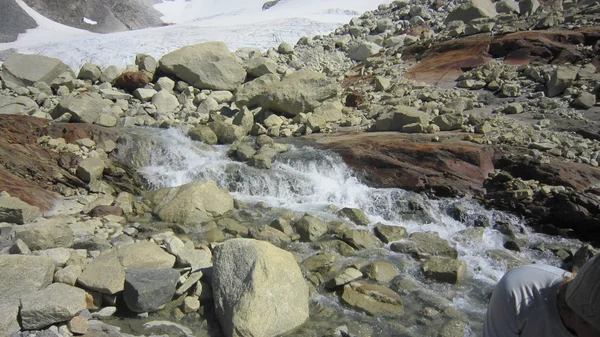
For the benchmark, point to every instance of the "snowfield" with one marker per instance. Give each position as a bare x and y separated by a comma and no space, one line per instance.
238,23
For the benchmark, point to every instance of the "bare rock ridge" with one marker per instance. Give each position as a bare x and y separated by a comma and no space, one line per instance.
13,21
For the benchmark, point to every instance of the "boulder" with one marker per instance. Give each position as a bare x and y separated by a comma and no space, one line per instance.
104,274
380,271
56,303
21,275
8,318
399,117
343,278
148,290
90,169
355,215
444,269
45,235
109,74
195,202
249,94
507,7
204,134
330,111
298,92
471,10
227,133
258,289
144,95
25,70
244,119
89,71
269,234
132,80
20,105
194,258
144,255
84,107
585,100
363,51
285,48
165,84
561,79
146,63
207,65
513,108
361,239
68,275
375,300
244,152
449,122
260,161
165,102
311,228
528,7
259,66
389,234
13,210
425,244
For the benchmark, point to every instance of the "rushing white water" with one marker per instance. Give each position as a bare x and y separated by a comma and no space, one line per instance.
307,180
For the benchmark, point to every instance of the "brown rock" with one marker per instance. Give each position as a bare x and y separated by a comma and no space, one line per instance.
132,80
100,211
78,325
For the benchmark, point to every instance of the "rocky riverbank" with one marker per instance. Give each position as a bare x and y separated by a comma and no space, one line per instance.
493,103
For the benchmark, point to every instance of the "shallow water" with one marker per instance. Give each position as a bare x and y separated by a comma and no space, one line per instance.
308,180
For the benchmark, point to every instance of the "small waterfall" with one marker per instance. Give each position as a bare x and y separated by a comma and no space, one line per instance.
308,180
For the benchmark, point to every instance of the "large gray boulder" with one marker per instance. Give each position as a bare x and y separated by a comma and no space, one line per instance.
89,71
298,92
104,274
207,65
227,133
148,290
25,69
52,233
258,289
90,169
471,10
17,105
165,102
363,51
561,79
259,66
195,202
249,94
20,275
449,122
399,117
58,302
84,107
13,210
144,255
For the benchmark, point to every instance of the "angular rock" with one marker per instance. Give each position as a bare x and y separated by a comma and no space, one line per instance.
425,245
109,74
507,7
21,275
344,277
78,325
355,215
514,108
17,105
207,65
8,318
389,234
89,71
311,228
381,271
68,275
259,66
25,70
585,100
244,119
250,274
104,274
260,161
146,63
90,169
249,94
204,134
84,107
399,117
144,255
56,303
269,234
298,92
361,239
195,202
45,235
13,210
144,95
227,133
445,269
194,258
363,51
375,300
528,7
148,290
449,122
561,79
165,102
471,10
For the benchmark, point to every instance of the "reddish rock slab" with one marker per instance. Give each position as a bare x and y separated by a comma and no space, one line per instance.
411,161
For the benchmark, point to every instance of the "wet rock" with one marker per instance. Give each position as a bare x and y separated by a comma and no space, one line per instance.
355,215
269,234
207,65
104,274
361,239
260,161
45,235
13,210
454,328
310,228
204,134
321,262
195,202
56,303
344,277
380,271
26,69
227,133
148,290
582,255
250,274
282,225
424,245
144,255
338,246
445,269
389,234
373,299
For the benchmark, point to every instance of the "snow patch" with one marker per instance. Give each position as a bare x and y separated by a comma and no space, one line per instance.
89,21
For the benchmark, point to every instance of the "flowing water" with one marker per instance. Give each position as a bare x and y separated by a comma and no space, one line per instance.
308,180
